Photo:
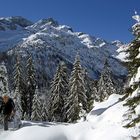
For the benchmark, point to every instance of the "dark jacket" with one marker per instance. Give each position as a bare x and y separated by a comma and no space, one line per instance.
1,103
8,107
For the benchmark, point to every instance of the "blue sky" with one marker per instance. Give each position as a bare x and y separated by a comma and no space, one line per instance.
108,19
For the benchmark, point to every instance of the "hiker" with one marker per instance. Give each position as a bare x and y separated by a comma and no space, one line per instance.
8,110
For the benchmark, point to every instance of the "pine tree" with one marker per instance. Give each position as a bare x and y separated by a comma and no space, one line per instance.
3,80
77,99
36,113
133,63
59,91
31,83
20,86
26,116
95,90
106,84
17,101
44,112
89,91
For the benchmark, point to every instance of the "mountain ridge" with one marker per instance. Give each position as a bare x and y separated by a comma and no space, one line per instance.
49,43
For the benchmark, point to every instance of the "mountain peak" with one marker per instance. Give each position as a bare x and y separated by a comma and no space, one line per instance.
49,21
13,22
23,22
117,43
43,24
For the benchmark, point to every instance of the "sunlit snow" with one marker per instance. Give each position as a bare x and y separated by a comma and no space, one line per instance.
104,122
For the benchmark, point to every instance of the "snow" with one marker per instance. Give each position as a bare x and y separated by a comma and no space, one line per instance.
103,111
104,122
136,17
135,78
138,56
135,92
136,27
92,42
122,55
137,110
9,38
102,44
12,31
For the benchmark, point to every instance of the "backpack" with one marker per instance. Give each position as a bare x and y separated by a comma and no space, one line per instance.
8,107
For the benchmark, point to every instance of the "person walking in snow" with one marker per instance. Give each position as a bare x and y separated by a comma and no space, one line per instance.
8,110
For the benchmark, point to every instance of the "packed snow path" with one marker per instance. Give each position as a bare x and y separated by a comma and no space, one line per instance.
104,122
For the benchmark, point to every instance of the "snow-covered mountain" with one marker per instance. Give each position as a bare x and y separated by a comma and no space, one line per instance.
12,30
49,42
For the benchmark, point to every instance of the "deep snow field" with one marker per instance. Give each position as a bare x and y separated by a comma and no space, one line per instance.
104,122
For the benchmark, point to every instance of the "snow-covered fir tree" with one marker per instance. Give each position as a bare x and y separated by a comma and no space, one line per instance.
44,112
4,89
106,84
77,99
20,86
26,116
133,90
89,91
36,110
17,101
31,83
95,90
59,91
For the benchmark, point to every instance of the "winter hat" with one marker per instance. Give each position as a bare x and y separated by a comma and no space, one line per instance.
5,98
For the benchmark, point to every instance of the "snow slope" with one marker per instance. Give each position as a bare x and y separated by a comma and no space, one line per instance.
104,122
12,30
8,39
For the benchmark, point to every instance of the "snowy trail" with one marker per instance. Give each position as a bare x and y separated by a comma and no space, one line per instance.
28,124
